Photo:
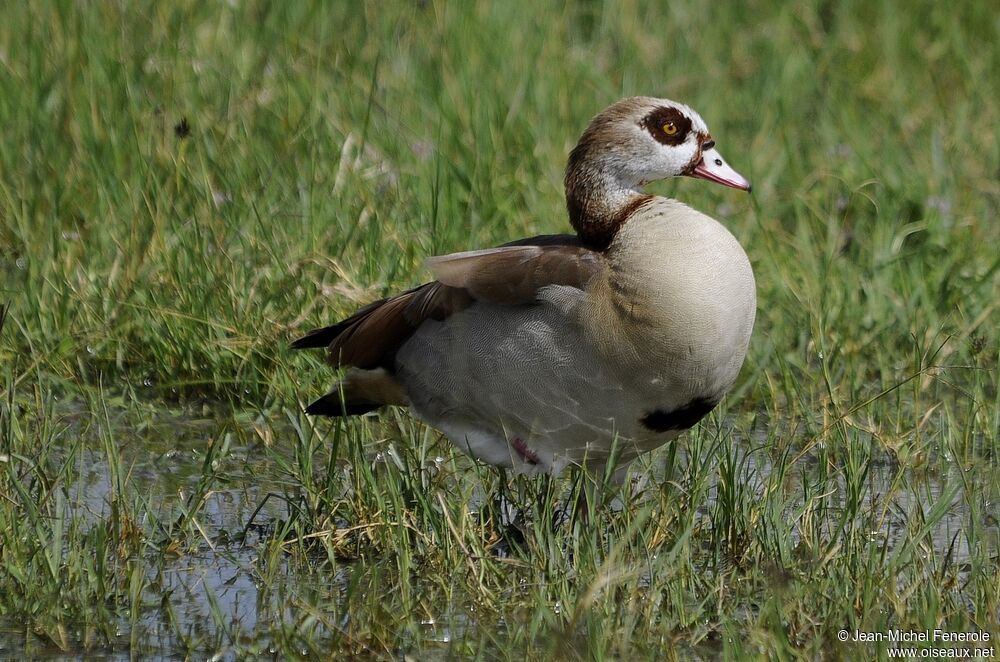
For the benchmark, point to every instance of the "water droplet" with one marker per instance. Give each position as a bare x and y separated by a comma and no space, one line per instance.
820,355
21,263
90,350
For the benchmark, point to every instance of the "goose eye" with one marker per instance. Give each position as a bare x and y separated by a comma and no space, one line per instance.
670,128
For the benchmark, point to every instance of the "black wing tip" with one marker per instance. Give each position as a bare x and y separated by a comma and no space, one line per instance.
546,240
302,343
317,338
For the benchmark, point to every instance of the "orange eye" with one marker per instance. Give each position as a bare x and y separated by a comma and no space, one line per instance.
670,128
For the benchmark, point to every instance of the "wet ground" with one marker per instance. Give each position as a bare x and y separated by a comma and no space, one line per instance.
222,590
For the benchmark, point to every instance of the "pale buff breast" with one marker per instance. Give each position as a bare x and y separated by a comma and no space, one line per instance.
678,301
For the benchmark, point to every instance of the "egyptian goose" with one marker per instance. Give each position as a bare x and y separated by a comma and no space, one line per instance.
545,352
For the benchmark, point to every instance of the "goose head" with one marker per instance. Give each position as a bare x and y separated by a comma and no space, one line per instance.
631,143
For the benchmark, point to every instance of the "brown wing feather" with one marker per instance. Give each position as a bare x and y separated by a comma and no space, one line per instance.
514,274
509,275
436,301
322,337
372,340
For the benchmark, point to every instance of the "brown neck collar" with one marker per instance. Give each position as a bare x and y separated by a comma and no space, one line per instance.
598,202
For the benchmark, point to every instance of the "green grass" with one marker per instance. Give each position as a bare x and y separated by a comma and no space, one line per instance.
185,187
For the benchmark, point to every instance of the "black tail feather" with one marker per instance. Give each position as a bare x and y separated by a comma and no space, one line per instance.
333,405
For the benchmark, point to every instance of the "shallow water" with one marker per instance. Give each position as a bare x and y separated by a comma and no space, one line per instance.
219,591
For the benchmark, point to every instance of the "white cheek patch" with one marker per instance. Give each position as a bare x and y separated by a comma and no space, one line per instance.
715,169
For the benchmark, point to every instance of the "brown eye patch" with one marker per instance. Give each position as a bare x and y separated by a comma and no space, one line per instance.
667,125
